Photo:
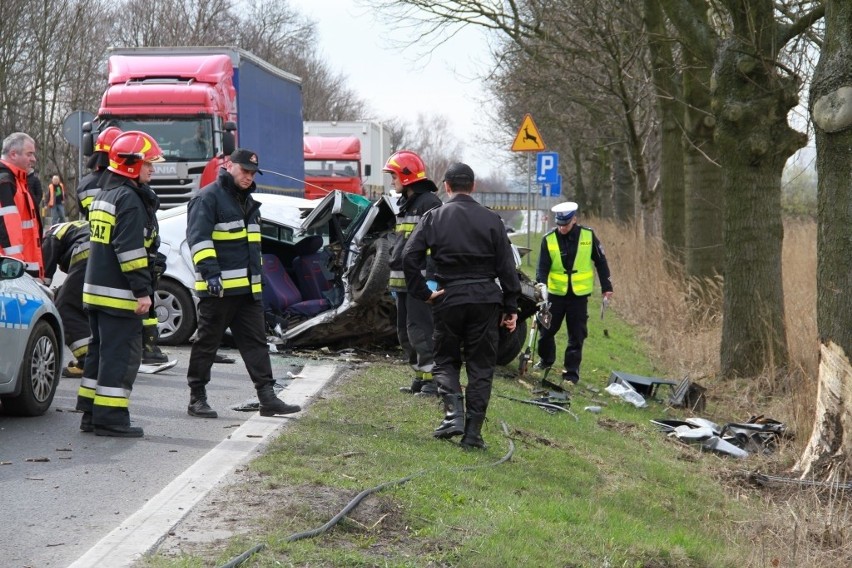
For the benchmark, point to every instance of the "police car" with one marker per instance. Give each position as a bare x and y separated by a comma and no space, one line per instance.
31,342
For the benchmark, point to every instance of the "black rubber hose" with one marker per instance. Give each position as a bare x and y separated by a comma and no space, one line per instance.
237,561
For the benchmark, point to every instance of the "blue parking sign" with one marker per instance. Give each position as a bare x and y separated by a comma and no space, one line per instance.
547,167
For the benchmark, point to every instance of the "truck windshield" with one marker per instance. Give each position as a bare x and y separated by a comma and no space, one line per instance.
331,168
180,139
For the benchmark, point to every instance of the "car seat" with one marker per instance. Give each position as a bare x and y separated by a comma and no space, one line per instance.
311,269
279,290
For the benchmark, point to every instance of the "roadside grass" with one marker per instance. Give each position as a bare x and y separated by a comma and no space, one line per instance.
599,490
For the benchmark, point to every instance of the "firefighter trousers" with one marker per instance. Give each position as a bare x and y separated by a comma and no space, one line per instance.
414,328
115,352
471,330
75,320
244,315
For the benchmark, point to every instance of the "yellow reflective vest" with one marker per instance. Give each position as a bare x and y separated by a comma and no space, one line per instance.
581,280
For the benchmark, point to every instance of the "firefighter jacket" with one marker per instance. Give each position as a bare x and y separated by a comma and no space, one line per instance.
65,245
89,187
223,233
471,251
20,227
579,249
411,210
124,238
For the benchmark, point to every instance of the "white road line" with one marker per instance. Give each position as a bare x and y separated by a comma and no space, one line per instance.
147,527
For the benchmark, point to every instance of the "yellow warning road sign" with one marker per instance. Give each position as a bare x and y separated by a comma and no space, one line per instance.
528,138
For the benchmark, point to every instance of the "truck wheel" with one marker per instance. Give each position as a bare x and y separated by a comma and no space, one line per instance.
175,309
39,374
510,343
369,278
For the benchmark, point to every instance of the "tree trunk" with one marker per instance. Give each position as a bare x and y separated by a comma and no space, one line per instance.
670,108
579,183
623,188
705,252
830,447
751,102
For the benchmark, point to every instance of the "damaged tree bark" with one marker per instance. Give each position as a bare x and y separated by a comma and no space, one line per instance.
828,453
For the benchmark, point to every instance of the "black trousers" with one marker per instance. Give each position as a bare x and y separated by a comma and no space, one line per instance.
75,320
115,352
414,328
244,315
469,332
574,310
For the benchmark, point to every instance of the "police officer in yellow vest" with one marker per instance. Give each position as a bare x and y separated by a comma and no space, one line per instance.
568,255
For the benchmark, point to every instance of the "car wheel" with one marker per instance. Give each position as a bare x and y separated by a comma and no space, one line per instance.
39,374
175,309
369,278
510,343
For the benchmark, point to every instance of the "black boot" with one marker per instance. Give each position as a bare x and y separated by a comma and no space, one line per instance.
151,353
473,432
117,431
428,389
453,423
86,423
416,385
271,405
198,406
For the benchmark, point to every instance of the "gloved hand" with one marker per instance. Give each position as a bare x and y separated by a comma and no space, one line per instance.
214,286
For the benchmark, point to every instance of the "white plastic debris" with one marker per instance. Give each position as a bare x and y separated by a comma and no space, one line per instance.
626,394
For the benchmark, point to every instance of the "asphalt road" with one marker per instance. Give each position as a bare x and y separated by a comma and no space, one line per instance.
62,490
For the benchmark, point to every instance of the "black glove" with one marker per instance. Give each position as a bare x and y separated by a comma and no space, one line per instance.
214,286
159,264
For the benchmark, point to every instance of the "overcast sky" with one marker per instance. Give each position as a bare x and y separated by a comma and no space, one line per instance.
403,83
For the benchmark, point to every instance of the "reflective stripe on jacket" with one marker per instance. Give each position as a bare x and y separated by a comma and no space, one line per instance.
582,277
223,234
123,237
65,244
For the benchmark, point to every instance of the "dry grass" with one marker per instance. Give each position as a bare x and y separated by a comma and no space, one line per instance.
792,526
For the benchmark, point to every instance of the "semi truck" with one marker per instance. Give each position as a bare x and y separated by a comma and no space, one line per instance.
199,103
331,146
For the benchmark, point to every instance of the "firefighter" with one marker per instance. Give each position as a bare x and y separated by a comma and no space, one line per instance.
20,224
568,255
414,324
66,246
223,234
118,284
88,188
90,185
471,251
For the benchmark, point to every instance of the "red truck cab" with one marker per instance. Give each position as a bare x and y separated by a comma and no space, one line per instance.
332,162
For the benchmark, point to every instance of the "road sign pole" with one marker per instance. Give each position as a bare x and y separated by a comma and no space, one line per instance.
529,208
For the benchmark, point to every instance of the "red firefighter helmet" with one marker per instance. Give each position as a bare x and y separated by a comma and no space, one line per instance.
407,165
106,138
129,150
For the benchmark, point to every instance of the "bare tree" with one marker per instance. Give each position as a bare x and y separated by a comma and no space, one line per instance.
828,452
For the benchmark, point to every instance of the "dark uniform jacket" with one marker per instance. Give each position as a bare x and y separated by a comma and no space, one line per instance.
64,245
223,233
568,249
411,210
470,249
88,188
124,239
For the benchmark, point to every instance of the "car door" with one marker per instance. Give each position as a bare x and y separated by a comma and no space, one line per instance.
12,337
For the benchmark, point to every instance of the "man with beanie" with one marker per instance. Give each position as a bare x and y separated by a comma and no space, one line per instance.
223,234
471,252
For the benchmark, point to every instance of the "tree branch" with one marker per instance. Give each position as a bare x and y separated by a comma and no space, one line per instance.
790,31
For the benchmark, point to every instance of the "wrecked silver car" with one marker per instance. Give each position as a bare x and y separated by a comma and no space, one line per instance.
325,265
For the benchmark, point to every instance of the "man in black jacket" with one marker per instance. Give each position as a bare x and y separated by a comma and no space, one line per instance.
223,234
118,284
471,251
414,326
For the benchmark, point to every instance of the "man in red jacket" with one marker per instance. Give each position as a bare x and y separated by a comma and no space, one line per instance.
20,230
